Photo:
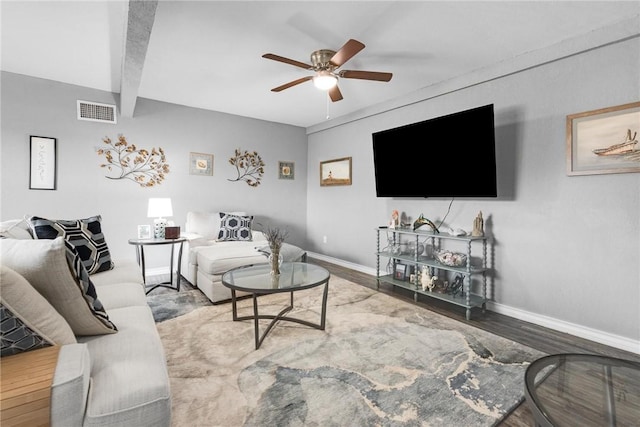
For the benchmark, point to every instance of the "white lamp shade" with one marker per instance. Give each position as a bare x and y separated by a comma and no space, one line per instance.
159,207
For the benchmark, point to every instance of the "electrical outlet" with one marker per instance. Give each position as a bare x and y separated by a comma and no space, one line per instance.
324,239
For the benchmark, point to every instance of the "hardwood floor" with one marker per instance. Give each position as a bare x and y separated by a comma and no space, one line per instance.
538,337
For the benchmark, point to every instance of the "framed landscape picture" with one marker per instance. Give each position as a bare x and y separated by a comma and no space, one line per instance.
286,170
335,172
201,164
604,141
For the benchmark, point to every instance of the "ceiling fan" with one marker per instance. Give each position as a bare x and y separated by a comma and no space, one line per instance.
325,63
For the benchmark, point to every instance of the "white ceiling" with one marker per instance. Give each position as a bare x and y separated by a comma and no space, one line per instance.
207,54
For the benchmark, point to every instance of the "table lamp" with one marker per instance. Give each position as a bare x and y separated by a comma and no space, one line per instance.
159,208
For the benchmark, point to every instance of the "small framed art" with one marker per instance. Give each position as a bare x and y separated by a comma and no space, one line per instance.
401,272
144,231
335,172
43,163
201,164
286,170
604,141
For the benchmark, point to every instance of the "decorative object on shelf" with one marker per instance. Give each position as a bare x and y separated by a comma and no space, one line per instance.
456,231
395,219
411,248
452,259
158,209
275,237
335,172
43,163
457,287
604,141
422,221
478,226
401,272
249,166
144,167
286,170
200,164
144,231
425,279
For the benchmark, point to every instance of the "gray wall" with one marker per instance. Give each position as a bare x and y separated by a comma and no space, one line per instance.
565,248
40,107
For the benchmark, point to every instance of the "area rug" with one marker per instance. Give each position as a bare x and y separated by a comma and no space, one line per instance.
380,362
170,305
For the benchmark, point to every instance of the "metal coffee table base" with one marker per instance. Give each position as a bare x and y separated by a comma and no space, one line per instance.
280,316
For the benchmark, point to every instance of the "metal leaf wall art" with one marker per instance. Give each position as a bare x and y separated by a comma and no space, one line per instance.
249,166
126,161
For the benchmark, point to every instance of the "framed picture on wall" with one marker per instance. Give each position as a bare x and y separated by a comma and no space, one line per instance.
43,163
604,141
201,164
335,172
286,170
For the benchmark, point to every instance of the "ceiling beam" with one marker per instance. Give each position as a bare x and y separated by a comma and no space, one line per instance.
140,19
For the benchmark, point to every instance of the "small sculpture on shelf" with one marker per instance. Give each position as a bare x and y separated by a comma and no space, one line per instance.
478,226
422,221
395,219
425,278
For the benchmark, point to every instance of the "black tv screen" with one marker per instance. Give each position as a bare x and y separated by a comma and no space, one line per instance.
448,156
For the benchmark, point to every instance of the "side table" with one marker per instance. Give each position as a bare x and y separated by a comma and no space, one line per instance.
25,387
141,243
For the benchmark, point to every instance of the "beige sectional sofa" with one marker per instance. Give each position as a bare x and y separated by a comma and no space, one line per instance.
111,369
205,258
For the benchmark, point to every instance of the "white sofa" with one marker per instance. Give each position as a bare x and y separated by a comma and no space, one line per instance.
205,259
107,379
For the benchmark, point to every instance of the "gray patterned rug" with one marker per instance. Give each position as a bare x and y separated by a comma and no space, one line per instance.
380,362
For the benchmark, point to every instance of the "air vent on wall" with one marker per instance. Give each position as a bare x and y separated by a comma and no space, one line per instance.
96,112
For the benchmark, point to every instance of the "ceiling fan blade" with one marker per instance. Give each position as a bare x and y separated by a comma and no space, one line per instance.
335,94
290,84
287,61
346,52
365,75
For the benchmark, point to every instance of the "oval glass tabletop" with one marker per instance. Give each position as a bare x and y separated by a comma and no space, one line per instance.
257,278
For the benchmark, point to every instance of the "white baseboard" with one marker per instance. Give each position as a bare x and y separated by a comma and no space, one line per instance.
591,334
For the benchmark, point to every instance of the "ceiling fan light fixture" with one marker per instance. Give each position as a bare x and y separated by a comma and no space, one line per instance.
325,80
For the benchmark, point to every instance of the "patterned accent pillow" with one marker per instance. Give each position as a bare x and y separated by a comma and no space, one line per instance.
84,234
234,227
28,321
17,337
55,270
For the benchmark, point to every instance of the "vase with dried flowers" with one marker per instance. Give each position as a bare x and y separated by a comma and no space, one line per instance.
275,237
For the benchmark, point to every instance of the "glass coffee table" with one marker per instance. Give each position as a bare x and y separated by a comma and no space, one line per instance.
583,390
257,280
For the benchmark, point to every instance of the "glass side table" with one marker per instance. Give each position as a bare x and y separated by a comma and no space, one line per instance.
174,275
583,390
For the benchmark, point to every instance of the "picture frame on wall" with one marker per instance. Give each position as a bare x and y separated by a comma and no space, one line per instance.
335,172
200,164
144,231
286,170
604,141
42,171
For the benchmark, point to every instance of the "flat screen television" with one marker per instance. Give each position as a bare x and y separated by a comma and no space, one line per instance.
448,156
